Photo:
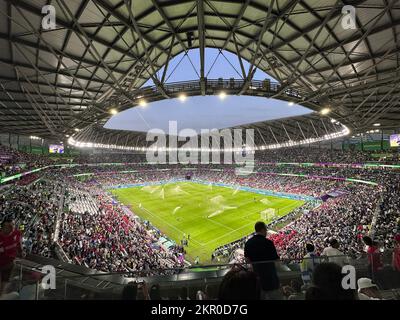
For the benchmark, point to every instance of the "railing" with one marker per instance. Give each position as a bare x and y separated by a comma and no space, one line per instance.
29,281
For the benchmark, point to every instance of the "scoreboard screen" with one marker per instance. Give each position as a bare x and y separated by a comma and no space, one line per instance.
56,148
395,140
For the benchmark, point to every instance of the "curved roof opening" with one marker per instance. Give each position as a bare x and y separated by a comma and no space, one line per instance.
204,112
217,64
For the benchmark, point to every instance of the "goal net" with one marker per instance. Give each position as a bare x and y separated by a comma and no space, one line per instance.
268,214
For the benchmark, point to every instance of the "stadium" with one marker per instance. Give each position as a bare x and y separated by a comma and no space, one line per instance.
199,150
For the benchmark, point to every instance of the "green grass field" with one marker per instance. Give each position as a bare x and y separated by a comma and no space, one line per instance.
213,216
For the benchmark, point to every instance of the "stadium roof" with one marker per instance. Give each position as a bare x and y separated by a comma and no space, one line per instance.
53,82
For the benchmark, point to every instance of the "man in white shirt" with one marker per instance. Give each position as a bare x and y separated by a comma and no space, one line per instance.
334,254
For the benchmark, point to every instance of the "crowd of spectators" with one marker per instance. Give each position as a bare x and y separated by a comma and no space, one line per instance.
388,221
107,238
346,216
99,233
294,154
34,208
13,161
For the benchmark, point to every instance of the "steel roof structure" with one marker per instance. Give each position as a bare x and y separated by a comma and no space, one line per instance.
54,82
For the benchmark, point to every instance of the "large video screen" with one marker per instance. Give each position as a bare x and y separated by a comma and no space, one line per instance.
395,140
56,148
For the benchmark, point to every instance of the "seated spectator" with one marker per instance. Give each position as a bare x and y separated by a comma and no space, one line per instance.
240,284
155,293
203,294
334,254
327,284
367,290
294,291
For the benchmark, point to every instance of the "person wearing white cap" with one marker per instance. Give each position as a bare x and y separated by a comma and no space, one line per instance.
367,290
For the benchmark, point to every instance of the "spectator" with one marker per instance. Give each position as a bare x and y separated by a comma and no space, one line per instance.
294,291
10,248
155,293
240,284
396,254
334,254
374,256
368,290
310,261
261,253
202,294
327,284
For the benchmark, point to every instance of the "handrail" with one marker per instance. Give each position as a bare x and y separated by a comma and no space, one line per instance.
223,266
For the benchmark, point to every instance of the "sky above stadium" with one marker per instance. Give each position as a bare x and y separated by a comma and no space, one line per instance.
206,112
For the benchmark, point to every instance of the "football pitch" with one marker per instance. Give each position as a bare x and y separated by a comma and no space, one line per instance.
211,215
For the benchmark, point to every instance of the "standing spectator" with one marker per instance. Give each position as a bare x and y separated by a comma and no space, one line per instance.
260,249
334,254
310,261
374,256
10,248
396,253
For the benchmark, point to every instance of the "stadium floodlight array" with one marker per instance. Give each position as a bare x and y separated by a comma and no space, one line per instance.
291,143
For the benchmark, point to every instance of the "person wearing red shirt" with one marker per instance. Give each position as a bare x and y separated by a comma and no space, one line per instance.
374,256
396,253
10,248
